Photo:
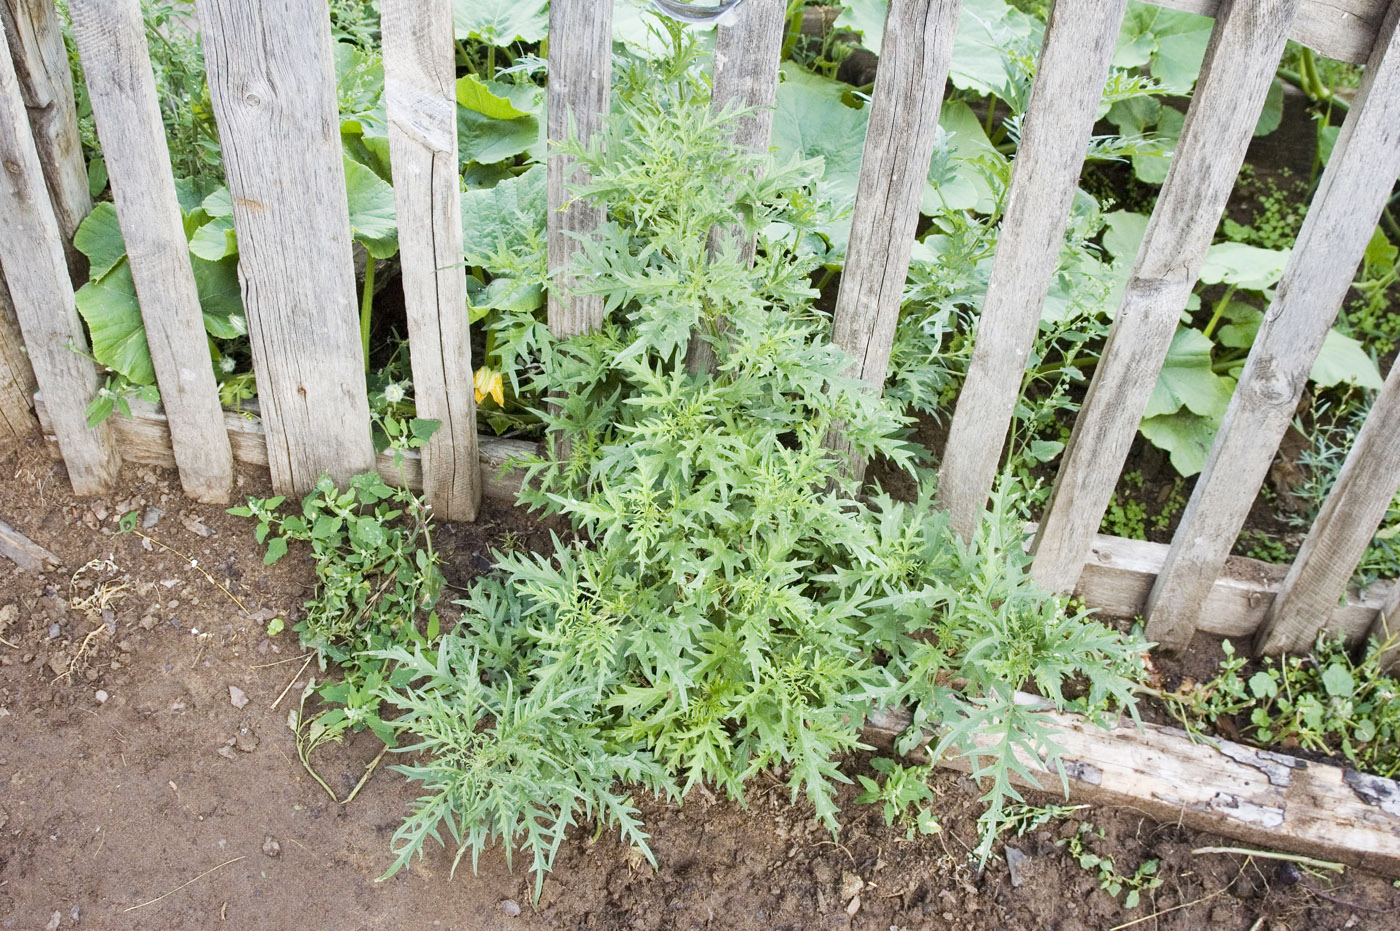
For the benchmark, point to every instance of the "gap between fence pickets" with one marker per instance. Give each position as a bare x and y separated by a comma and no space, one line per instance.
1257,796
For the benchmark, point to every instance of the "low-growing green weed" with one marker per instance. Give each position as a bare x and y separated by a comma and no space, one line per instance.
1328,702
1144,878
904,795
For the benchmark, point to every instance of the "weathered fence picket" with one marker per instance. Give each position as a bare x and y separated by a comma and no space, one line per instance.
1079,43
36,272
916,50
1386,630
272,86
1244,51
16,374
580,84
1350,516
420,85
1354,190
46,83
112,42
747,53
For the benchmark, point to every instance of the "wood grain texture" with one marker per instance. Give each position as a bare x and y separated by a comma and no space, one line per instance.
24,552
16,374
46,83
112,41
1354,189
1386,629
580,83
747,55
145,438
1245,47
31,255
1079,42
916,52
1349,519
1263,798
1119,573
273,91
1341,29
420,83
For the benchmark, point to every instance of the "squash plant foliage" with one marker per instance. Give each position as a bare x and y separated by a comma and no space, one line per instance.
727,603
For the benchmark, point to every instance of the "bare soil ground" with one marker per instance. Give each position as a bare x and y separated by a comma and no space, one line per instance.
138,790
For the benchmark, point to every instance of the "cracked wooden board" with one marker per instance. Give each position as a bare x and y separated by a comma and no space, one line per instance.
1259,797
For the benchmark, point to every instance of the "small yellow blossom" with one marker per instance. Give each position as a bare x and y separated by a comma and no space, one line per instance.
488,381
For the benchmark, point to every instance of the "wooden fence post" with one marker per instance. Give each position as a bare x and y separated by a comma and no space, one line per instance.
31,254
1354,189
272,85
747,55
580,83
46,83
916,51
1244,50
112,41
1079,42
16,374
1386,629
1349,518
420,84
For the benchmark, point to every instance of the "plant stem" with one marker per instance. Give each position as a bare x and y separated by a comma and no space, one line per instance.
1220,306
367,307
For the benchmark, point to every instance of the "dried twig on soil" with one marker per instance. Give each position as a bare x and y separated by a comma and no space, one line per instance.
193,564
184,885
1272,855
309,658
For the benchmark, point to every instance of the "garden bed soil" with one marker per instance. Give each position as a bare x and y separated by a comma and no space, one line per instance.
148,780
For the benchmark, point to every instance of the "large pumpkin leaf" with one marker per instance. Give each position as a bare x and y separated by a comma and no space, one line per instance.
484,140
113,315
1243,266
219,297
504,218
500,22
475,94
99,237
371,204
1187,381
1184,436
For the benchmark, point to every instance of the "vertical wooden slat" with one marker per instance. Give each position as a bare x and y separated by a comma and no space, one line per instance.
16,375
1079,43
580,81
1386,629
112,41
419,75
1344,212
747,54
31,254
916,52
272,85
1349,518
46,83
1244,50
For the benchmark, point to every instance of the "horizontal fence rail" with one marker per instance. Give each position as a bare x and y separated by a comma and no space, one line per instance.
274,100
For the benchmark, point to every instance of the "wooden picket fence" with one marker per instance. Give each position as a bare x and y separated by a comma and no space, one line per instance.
272,89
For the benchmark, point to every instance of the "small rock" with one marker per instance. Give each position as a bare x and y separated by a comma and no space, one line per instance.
55,630
74,914
8,615
54,919
4,817
100,695
246,740
149,620
1015,859
852,907
196,526
271,848
510,908
227,753
152,517
851,886
237,697
126,646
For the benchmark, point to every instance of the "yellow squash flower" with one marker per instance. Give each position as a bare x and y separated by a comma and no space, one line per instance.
488,381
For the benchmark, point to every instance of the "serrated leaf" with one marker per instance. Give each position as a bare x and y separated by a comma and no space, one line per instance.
99,237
